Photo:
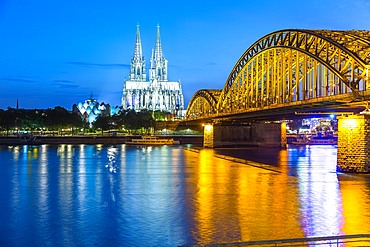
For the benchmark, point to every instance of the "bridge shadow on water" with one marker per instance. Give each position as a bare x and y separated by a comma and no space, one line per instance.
289,160
269,156
293,160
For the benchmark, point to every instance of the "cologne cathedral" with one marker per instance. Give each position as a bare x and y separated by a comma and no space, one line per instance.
154,94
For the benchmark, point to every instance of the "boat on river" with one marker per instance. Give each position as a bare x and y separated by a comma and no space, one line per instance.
152,140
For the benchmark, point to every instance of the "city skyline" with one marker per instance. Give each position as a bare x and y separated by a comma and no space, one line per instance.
57,53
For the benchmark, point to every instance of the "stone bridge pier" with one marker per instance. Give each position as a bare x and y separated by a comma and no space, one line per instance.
353,139
354,143
245,134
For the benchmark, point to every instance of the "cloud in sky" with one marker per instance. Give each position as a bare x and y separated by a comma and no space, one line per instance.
17,79
65,84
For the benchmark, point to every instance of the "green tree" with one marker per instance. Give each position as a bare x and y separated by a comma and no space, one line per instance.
60,117
130,120
146,120
6,121
103,123
160,115
134,121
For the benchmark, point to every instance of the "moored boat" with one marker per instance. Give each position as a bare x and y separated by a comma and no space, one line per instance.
152,140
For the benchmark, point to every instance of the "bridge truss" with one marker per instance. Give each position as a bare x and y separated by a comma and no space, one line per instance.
204,103
292,67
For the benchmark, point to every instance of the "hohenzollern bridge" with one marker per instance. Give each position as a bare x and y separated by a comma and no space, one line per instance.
290,72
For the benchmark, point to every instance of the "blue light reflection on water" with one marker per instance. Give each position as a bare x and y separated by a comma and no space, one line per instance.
67,195
319,191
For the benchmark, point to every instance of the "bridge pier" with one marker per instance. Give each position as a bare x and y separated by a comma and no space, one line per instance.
354,143
239,135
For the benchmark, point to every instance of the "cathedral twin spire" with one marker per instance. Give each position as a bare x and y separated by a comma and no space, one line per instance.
158,64
137,70
154,94
138,54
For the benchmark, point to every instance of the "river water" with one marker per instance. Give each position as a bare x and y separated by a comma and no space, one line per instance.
94,195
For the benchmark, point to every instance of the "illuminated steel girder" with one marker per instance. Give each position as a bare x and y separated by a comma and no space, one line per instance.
292,66
203,103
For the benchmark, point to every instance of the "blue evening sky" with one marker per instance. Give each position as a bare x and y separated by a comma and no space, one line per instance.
56,52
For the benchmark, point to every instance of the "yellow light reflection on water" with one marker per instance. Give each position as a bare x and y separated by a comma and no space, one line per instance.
203,214
16,153
35,152
237,202
65,153
355,203
267,205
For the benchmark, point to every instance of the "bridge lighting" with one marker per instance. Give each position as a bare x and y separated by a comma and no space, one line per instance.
350,124
309,80
208,128
366,111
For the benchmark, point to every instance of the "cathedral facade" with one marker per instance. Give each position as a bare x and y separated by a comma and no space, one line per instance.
154,94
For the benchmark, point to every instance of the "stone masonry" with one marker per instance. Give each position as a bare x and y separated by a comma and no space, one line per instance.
353,143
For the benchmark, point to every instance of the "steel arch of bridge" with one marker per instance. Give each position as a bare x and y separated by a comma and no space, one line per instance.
203,103
295,66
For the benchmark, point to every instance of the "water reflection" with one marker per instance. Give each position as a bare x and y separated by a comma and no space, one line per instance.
167,196
82,181
65,153
319,192
111,154
235,202
305,199
355,191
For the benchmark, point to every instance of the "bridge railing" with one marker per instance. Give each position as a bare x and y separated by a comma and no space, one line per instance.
343,240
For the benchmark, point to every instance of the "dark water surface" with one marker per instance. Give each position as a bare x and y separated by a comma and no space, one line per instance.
94,195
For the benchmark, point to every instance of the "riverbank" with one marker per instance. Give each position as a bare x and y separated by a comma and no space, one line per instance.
39,140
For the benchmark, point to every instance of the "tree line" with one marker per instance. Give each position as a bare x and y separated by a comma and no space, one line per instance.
58,118
132,121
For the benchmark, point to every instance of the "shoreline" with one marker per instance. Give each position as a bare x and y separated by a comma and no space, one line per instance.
40,140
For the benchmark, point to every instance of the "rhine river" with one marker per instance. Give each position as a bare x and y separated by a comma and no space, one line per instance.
94,195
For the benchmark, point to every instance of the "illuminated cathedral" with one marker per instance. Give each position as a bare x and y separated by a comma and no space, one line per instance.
154,94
